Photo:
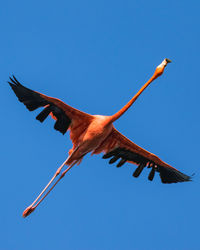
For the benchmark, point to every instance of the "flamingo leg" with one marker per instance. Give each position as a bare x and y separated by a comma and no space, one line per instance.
32,207
62,175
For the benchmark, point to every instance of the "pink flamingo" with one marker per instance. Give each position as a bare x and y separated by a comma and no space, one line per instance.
96,134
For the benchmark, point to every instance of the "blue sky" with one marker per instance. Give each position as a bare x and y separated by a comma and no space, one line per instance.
95,55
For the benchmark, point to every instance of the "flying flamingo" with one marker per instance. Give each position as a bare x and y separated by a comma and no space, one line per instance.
96,134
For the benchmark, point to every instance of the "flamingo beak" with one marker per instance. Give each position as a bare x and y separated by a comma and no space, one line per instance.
168,60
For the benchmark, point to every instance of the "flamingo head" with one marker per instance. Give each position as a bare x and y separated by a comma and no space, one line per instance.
161,67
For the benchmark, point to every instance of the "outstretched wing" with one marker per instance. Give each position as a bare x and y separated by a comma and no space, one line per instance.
116,146
66,117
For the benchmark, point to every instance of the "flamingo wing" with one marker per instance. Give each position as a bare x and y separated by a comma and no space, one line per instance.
117,146
66,117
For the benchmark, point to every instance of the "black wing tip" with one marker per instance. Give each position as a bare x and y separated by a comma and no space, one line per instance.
14,83
14,80
33,100
169,176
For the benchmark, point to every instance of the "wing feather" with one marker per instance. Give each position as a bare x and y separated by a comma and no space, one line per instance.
66,116
117,146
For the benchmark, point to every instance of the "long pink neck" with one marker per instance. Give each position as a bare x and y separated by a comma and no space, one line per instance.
129,104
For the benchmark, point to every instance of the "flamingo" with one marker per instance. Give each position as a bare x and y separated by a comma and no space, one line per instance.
96,134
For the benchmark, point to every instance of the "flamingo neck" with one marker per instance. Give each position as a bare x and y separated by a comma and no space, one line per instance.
158,72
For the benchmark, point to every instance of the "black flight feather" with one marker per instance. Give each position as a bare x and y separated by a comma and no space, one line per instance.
170,175
33,100
151,174
122,161
167,174
43,115
139,169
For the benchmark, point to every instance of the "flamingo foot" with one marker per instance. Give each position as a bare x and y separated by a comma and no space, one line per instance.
28,211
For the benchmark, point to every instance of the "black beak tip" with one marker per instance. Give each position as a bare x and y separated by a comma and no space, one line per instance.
168,60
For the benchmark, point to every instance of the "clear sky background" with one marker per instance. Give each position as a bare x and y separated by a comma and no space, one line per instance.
95,55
